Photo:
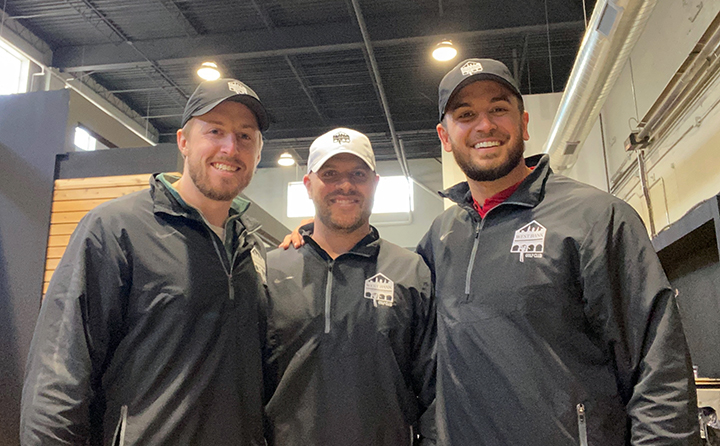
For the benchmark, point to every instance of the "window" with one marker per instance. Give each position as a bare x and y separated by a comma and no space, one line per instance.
13,71
393,195
83,140
87,140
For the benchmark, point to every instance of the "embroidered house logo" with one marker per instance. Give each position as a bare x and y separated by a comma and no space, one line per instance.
471,68
237,87
529,241
341,138
380,289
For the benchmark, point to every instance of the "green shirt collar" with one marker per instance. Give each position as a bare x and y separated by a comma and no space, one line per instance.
238,206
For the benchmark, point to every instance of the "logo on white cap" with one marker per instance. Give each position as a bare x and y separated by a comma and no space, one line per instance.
471,68
341,138
237,87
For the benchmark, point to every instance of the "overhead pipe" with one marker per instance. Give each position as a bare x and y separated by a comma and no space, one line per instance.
613,30
381,90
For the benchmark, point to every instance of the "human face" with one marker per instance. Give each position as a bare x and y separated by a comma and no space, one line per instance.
342,190
221,150
485,130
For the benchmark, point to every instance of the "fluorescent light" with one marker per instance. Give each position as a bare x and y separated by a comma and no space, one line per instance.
286,159
444,51
209,71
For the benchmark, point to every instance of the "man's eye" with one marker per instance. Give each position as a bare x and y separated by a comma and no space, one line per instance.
465,115
216,132
360,174
328,174
244,136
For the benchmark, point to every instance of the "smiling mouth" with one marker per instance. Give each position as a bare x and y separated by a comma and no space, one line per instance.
225,167
486,144
344,200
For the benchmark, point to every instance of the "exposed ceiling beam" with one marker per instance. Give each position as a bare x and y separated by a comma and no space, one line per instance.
178,15
279,42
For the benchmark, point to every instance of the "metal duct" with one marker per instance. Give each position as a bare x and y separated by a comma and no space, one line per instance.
613,30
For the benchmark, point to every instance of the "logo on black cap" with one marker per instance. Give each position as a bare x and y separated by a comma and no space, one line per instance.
471,68
237,87
341,138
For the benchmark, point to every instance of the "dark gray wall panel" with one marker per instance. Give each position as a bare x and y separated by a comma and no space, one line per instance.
32,133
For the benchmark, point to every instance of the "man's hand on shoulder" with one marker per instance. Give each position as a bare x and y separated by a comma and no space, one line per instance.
294,237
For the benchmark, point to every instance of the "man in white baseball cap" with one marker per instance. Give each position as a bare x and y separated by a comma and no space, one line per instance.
351,316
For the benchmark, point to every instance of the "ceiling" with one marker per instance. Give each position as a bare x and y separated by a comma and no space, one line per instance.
306,59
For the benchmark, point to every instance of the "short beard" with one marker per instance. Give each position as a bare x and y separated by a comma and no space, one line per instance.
476,173
324,214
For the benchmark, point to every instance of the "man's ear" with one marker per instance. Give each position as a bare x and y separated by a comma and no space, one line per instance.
525,120
182,142
444,137
306,182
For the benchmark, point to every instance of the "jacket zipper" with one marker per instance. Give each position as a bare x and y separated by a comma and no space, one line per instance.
472,259
119,436
228,272
328,296
582,424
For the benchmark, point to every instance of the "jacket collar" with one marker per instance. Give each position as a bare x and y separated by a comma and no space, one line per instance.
167,200
369,246
530,192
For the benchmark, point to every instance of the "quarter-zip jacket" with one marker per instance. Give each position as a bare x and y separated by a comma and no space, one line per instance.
150,332
352,345
556,324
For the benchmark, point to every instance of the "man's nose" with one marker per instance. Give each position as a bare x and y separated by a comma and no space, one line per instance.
229,144
485,123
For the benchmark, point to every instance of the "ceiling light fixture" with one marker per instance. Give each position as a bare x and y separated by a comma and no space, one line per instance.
286,159
444,51
209,71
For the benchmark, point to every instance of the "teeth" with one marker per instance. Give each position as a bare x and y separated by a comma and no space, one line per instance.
486,144
225,167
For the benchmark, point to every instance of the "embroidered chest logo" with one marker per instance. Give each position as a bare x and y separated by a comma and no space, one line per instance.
529,241
380,289
237,87
471,68
259,263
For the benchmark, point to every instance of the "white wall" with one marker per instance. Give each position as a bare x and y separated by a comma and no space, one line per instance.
269,189
683,169
85,113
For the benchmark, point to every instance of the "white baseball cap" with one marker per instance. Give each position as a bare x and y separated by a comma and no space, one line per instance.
340,140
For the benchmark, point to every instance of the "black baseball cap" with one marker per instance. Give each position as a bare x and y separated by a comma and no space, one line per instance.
471,70
210,94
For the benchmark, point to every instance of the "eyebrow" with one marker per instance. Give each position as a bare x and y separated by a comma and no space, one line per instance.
216,122
501,98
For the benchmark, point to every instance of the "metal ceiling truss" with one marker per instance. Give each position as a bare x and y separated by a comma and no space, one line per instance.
279,42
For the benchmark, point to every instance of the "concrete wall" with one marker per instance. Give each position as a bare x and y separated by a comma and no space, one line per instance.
32,127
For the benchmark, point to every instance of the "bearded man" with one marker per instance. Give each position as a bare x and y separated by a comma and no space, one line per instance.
351,317
556,323
151,329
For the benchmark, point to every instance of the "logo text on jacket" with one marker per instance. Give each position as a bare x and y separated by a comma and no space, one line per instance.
380,289
529,241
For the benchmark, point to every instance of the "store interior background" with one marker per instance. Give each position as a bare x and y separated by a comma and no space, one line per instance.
37,130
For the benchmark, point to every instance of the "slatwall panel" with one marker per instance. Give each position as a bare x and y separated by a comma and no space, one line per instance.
72,199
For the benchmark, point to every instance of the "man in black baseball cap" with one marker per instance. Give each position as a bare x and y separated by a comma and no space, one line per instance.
150,331
556,324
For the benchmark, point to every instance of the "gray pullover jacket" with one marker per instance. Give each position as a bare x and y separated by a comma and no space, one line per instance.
352,345
150,332
556,324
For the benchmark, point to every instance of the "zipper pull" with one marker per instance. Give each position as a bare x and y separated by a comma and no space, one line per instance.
231,289
582,424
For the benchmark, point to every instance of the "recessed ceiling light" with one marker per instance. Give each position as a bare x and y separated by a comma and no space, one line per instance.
286,159
444,51
209,71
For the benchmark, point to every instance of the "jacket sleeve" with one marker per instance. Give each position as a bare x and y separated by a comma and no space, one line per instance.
631,305
424,355
80,322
